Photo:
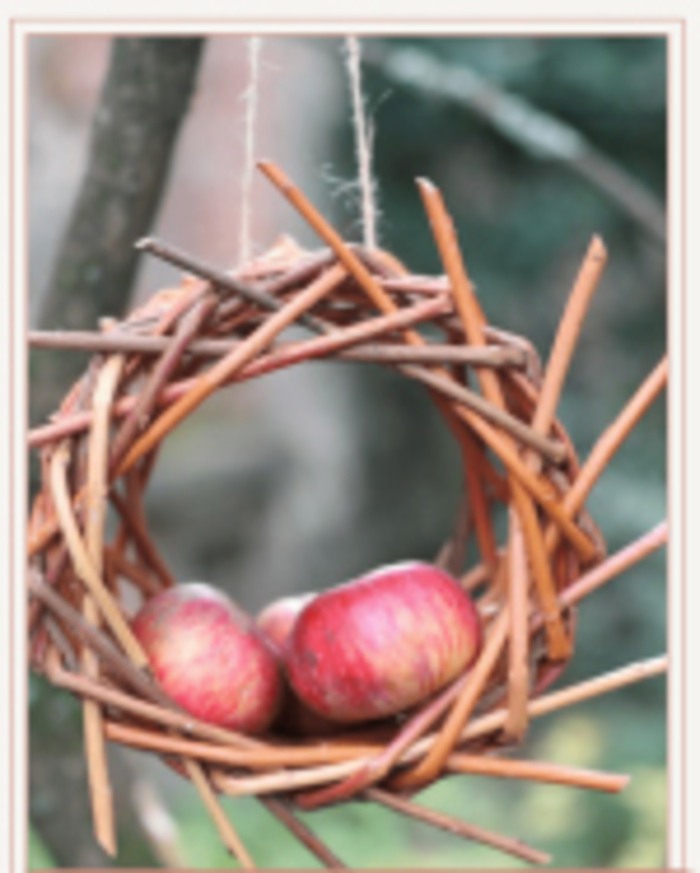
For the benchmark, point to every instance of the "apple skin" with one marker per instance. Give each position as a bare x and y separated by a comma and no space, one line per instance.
382,643
210,658
276,621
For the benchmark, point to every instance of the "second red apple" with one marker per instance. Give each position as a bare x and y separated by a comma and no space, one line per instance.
277,621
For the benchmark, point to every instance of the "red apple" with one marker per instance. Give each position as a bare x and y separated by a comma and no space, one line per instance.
382,643
208,655
276,621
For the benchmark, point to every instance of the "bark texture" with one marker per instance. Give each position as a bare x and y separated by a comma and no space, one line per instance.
145,97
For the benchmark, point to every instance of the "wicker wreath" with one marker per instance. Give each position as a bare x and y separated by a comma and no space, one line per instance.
152,370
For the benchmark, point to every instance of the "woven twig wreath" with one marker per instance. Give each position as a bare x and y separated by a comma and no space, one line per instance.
156,367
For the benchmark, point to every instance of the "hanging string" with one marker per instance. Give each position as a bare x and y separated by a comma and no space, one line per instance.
362,144
251,99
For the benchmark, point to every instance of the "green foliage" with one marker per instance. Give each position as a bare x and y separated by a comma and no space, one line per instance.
39,857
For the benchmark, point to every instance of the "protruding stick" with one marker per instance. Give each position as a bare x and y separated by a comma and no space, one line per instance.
435,353
609,442
473,323
518,670
227,832
536,771
509,845
95,510
281,808
345,254
568,334
218,279
616,564
555,700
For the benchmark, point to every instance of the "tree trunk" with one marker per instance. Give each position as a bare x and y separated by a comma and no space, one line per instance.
144,100
145,97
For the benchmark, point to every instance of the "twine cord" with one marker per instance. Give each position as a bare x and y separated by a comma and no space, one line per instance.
251,101
363,148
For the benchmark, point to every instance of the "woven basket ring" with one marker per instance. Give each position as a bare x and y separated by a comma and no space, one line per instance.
154,368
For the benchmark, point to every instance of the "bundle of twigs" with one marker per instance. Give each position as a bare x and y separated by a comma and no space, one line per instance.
155,368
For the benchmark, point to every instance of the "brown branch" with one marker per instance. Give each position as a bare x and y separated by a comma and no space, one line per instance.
536,771
463,829
229,365
479,727
595,578
95,511
609,442
134,525
88,633
158,712
517,584
227,832
616,564
282,809
566,697
553,451
84,566
448,736
159,377
473,322
344,253
120,565
442,353
221,280
261,757
567,335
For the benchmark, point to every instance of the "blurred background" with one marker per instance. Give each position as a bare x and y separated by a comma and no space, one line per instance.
308,477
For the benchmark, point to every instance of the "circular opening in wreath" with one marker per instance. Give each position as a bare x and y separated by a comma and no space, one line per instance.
301,479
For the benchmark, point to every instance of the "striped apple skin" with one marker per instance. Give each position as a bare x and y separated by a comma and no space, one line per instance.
380,644
210,658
